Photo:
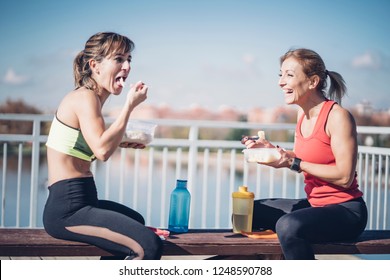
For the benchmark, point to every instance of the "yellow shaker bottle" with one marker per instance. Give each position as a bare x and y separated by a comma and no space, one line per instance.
242,210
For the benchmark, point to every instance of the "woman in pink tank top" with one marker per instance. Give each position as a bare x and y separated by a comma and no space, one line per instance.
325,151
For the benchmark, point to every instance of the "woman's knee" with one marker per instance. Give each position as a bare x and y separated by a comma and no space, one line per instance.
288,226
153,249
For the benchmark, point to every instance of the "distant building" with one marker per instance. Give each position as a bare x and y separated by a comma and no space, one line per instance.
364,108
364,114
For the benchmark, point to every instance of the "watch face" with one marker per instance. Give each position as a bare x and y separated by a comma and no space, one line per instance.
296,165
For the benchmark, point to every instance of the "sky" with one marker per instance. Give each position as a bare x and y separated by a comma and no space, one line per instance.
210,53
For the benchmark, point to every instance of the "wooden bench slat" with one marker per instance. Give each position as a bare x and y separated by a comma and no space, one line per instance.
218,242
36,242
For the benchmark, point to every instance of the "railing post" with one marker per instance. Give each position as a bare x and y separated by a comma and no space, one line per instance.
5,151
34,170
192,163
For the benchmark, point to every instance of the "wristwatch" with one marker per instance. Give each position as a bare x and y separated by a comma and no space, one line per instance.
296,165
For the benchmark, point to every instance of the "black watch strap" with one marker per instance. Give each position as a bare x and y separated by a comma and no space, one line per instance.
296,165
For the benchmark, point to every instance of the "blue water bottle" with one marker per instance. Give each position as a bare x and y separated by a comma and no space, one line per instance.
179,209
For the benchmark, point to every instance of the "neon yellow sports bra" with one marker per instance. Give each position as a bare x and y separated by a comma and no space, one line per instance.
68,140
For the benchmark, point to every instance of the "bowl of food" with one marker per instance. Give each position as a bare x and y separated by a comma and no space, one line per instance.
139,132
261,155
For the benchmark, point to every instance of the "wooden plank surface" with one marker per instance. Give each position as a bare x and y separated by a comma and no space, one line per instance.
36,242
218,242
223,242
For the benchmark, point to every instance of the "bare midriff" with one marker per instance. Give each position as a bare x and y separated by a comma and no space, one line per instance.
62,166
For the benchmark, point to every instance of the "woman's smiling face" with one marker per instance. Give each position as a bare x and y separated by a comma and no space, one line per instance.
293,81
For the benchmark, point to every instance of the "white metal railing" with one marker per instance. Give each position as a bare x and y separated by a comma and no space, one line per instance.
143,179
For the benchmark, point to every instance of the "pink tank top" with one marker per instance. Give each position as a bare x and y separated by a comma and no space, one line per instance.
316,149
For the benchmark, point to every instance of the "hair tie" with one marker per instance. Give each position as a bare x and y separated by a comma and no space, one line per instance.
326,72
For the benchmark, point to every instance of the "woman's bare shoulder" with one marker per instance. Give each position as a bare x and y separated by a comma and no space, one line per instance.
81,94
340,117
338,113
75,102
79,98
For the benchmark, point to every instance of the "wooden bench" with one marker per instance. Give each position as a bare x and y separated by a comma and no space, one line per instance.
30,242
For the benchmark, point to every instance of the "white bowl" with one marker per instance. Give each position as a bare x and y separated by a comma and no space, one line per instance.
262,155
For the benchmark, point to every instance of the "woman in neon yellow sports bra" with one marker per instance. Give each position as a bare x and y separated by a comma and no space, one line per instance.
78,136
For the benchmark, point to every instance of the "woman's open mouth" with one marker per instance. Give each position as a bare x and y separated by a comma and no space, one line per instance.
121,81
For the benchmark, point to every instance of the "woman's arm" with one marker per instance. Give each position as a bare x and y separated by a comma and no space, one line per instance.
104,141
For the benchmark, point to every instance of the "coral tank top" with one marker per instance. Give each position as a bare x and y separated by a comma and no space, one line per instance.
316,149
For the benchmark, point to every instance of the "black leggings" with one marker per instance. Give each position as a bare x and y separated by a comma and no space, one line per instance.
73,212
298,224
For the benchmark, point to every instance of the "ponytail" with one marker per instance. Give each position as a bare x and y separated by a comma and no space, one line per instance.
337,88
82,72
